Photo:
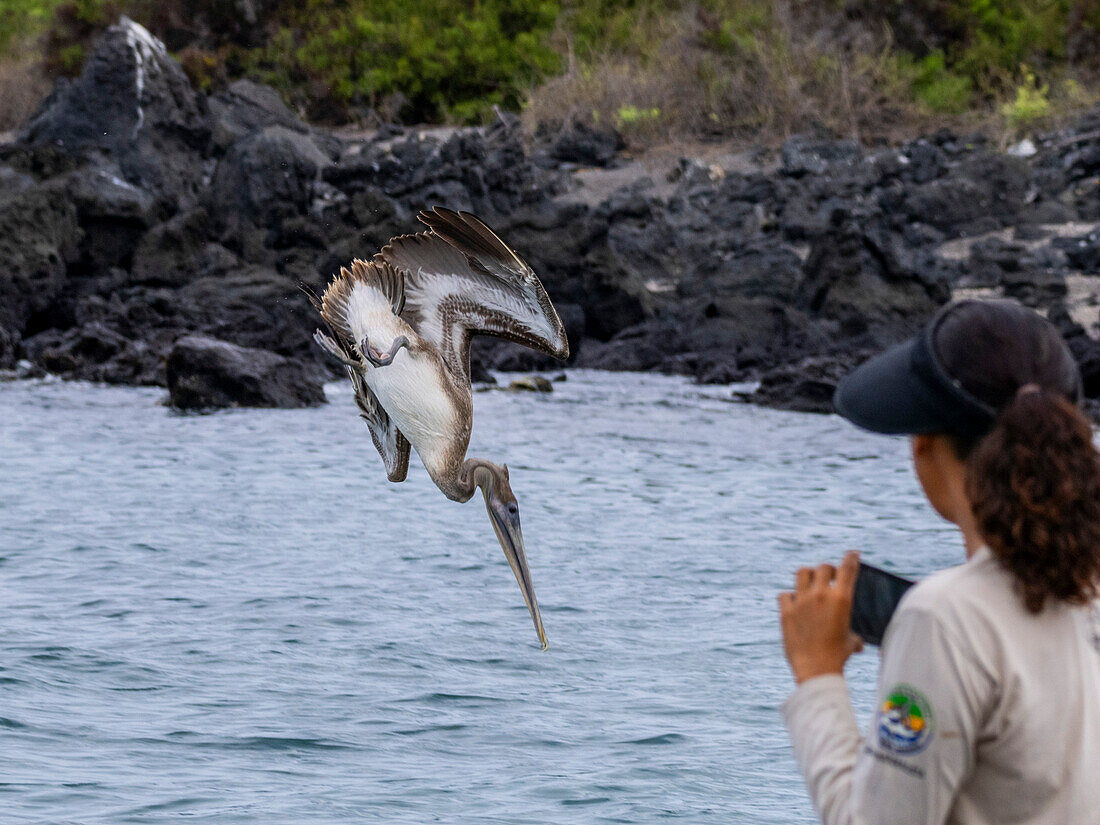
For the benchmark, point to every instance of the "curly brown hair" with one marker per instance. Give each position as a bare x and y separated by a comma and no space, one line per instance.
1033,479
1034,486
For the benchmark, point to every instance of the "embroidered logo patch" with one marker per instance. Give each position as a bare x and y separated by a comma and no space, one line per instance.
904,721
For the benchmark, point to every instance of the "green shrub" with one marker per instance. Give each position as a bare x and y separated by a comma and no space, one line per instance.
629,116
1031,103
20,19
75,24
934,85
986,42
445,58
595,27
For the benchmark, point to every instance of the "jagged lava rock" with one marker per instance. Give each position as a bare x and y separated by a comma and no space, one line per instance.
265,177
95,352
8,343
806,386
854,276
134,102
245,107
39,236
583,144
113,213
803,154
206,373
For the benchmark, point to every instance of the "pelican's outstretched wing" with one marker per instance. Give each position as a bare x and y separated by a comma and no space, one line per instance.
462,280
346,306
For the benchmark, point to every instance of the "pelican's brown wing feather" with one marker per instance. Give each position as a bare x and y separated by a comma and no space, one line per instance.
462,280
388,440
471,235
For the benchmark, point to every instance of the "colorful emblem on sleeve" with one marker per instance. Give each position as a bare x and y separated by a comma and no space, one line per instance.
904,721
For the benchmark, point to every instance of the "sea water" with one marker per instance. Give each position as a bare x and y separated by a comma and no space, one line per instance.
235,618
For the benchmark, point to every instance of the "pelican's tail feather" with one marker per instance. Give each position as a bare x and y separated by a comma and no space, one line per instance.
360,288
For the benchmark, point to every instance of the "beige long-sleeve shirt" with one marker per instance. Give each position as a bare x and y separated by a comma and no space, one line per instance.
987,715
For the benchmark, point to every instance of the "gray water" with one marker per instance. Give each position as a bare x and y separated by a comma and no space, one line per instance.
235,618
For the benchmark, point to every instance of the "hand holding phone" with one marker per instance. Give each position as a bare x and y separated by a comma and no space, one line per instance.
814,618
874,601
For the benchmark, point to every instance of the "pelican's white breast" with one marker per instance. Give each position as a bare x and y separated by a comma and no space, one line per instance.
413,393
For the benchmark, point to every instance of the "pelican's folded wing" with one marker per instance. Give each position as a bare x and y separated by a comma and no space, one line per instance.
462,280
388,440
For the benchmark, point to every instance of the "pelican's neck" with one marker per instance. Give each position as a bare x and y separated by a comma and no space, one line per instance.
476,472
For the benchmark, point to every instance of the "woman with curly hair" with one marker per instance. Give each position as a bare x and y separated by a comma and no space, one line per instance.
989,689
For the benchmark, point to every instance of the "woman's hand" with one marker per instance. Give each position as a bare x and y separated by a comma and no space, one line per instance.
815,619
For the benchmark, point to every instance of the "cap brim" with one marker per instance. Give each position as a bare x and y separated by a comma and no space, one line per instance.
886,395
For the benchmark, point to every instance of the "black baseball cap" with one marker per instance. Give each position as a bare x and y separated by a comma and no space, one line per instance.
909,390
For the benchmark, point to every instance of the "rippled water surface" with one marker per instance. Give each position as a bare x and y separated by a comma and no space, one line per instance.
235,618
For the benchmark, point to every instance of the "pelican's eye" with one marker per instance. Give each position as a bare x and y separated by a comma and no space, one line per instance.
513,509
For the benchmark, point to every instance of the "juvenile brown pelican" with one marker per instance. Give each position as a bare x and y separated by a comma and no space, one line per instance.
402,325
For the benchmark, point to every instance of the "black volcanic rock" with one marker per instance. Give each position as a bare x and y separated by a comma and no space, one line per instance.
205,373
133,102
254,306
39,237
1085,349
646,346
978,195
114,214
265,177
580,263
246,107
806,386
803,155
12,181
1082,253
9,343
585,145
95,352
855,277
175,252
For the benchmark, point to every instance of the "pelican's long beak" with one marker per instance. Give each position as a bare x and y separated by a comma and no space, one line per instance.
511,541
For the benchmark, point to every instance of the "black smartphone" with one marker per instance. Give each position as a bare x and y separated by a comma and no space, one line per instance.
875,600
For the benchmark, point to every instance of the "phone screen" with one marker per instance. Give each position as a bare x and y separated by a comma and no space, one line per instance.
876,598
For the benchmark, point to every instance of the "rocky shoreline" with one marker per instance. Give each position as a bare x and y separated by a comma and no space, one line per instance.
155,235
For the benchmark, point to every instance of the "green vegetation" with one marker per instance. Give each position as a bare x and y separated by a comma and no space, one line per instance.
651,67
428,60
628,116
23,18
934,85
988,46
1031,103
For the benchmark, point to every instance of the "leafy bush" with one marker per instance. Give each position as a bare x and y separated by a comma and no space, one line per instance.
22,18
1031,103
934,85
984,42
444,58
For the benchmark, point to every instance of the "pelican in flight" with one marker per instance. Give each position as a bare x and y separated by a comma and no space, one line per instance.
401,324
